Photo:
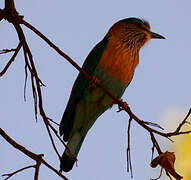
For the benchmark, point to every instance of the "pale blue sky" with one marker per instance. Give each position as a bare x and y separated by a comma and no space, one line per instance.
161,81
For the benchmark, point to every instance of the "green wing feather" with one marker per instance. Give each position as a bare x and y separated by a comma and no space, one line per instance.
80,84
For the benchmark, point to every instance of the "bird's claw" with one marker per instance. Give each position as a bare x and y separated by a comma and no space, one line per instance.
122,105
94,82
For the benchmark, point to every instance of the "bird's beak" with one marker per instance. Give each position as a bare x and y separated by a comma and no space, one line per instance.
156,36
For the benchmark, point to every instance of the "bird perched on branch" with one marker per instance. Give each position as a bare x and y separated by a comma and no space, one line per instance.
113,62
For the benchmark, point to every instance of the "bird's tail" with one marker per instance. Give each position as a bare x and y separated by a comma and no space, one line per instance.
74,145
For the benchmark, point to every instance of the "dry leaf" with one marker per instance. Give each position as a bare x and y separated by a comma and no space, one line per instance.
166,160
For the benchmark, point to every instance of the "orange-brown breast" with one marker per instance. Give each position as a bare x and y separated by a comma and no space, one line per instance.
118,61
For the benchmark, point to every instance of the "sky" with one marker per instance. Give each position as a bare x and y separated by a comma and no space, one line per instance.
161,82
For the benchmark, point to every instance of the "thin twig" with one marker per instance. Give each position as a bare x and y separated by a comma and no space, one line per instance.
13,173
169,176
153,124
4,51
52,141
38,87
184,121
35,97
159,175
11,60
155,143
53,121
36,84
29,153
129,164
149,129
25,83
67,149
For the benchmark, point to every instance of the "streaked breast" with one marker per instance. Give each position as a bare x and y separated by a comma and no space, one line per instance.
118,61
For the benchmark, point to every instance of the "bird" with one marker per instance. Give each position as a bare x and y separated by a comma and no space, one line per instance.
112,61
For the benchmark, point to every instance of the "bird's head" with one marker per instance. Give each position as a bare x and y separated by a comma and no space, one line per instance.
133,32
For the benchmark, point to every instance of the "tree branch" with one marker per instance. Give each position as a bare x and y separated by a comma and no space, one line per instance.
4,51
10,14
87,76
11,60
184,121
36,157
9,4
13,173
129,164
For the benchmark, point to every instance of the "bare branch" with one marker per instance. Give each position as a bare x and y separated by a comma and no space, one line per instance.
37,167
144,124
30,154
4,51
129,164
53,121
9,4
13,173
184,121
155,143
1,14
36,83
25,84
141,123
119,102
159,175
11,60
153,124
11,15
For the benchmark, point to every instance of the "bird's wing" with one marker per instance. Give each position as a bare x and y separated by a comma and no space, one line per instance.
89,66
80,84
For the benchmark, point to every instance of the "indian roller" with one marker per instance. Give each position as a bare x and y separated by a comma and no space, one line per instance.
113,61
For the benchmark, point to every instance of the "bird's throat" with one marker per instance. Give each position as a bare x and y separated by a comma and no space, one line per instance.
119,62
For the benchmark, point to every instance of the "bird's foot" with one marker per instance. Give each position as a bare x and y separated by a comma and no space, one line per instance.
94,82
122,105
